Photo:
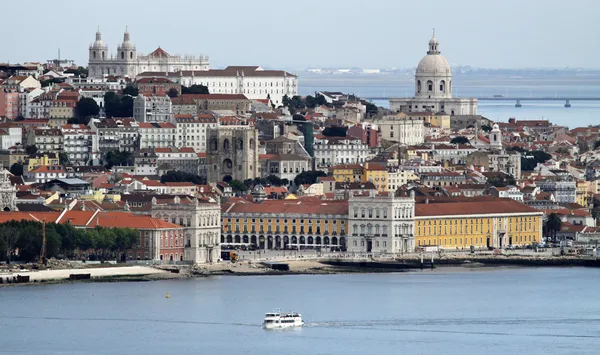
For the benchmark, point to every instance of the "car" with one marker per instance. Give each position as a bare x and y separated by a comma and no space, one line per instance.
510,247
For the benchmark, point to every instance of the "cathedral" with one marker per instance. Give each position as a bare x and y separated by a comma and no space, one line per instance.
433,88
128,62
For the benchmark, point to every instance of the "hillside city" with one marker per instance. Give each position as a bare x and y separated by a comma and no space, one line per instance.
157,157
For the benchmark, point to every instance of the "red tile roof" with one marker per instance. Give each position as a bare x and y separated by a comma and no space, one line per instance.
475,207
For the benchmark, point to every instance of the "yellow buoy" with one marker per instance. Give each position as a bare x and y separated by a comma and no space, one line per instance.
167,295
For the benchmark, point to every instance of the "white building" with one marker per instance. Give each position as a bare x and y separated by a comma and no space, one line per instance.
127,62
191,130
511,192
152,108
25,99
331,151
408,131
202,222
10,135
80,144
253,82
433,88
157,135
381,224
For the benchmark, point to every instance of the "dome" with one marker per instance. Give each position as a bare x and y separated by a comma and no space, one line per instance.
126,42
495,127
99,43
434,64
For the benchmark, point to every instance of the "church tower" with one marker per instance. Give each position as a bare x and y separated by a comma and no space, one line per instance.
98,55
496,137
8,193
126,56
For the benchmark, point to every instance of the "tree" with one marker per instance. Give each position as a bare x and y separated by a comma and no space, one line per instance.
459,140
597,144
172,93
131,89
273,180
50,82
372,109
320,100
583,146
16,169
20,118
335,131
182,176
117,157
486,127
195,89
553,225
308,177
501,180
86,107
238,186
310,101
31,149
63,158
80,71
118,106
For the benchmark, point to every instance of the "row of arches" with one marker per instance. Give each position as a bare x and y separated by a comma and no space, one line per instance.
282,242
226,145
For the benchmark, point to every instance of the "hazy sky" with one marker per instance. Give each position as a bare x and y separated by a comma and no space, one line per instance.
314,33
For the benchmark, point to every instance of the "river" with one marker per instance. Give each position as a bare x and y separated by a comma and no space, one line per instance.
445,311
581,113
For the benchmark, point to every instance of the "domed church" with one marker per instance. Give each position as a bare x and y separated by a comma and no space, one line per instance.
433,88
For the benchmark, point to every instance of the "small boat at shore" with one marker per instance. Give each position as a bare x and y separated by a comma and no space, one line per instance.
280,320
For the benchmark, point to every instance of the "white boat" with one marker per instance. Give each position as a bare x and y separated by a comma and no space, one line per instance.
279,320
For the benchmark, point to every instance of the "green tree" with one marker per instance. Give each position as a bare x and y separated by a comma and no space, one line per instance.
335,131
172,93
553,225
80,71
310,101
195,89
459,140
372,109
120,158
20,118
308,177
31,149
273,180
85,108
238,186
501,180
182,176
597,144
131,89
118,106
16,169
486,127
63,158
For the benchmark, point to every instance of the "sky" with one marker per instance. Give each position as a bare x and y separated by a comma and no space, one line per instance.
315,33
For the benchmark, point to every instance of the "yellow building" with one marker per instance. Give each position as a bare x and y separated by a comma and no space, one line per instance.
48,159
377,174
285,224
347,172
582,195
481,223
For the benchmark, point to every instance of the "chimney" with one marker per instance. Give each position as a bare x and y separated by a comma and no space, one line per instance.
427,201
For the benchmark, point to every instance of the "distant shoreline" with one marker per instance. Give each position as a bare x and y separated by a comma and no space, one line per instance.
297,267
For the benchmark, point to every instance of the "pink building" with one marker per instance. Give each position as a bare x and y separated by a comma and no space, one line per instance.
9,104
366,133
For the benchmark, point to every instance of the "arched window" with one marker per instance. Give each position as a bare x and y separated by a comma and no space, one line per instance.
377,229
362,212
429,86
384,230
251,143
377,213
355,228
213,144
240,144
418,85
362,229
94,55
130,55
442,86
122,55
355,212
370,212
369,228
102,54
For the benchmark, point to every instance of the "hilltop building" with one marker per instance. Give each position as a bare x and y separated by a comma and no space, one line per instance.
128,62
433,88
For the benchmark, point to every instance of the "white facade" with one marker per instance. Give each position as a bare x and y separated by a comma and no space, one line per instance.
332,151
80,144
433,88
10,136
191,131
403,130
152,108
381,224
25,99
127,62
252,81
202,222
157,135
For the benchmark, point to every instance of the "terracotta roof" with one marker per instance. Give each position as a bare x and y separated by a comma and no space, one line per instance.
156,125
477,207
288,207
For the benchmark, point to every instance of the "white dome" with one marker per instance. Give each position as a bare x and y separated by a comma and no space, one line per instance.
434,64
